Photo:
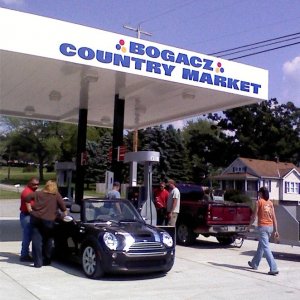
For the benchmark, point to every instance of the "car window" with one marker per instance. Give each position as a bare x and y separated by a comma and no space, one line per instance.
110,210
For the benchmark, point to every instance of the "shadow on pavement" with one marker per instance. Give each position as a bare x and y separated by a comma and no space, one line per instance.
11,258
76,270
10,230
203,244
278,255
235,267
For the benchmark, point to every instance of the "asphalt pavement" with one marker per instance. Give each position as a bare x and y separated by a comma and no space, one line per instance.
205,271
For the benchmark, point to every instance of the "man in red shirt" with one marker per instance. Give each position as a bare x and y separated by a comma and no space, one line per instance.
161,197
32,186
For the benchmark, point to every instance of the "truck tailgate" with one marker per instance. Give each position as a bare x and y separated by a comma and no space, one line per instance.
221,214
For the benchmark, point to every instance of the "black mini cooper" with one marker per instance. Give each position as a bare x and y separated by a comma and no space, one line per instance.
112,237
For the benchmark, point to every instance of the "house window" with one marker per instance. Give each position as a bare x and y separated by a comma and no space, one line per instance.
292,187
239,169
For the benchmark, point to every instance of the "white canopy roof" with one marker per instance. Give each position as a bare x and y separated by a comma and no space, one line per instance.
43,61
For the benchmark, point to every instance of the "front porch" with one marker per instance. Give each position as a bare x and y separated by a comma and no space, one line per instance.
245,183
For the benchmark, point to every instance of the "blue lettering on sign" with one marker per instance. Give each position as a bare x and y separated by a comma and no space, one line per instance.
123,61
67,49
86,53
104,57
223,81
206,78
168,55
166,62
138,62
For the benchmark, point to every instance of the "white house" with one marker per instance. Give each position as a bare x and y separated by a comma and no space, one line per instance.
248,175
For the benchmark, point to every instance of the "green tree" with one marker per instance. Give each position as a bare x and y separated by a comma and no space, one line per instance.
206,146
264,130
173,156
34,139
176,154
98,160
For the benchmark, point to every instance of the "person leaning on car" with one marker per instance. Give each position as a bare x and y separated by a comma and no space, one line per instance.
42,216
173,204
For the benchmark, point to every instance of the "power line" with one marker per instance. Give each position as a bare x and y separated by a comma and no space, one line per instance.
257,47
257,43
166,12
264,51
262,44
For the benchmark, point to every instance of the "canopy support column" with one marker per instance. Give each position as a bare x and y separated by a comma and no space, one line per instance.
118,129
81,155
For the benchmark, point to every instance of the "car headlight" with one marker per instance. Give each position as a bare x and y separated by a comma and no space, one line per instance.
110,240
167,239
129,240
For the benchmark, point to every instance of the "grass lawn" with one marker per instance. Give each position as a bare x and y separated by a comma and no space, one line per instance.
9,195
18,176
15,195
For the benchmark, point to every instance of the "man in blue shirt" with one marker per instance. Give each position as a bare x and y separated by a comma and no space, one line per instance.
114,193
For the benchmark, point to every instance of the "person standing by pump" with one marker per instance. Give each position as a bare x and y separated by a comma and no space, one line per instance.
267,224
42,216
173,204
31,187
115,192
161,198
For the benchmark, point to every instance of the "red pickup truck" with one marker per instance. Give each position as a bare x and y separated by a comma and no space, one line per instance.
224,220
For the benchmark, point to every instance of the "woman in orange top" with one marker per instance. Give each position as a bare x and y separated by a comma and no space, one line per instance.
267,224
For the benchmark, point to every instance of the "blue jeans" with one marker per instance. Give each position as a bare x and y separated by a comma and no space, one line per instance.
263,248
26,233
42,240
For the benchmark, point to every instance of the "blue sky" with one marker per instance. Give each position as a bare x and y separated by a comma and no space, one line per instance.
204,26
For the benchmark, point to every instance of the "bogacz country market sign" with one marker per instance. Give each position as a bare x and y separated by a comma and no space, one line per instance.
163,62
64,41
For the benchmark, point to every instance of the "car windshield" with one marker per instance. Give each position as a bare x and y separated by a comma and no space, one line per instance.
98,210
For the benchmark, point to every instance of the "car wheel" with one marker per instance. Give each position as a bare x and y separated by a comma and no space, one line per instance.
91,263
226,241
185,235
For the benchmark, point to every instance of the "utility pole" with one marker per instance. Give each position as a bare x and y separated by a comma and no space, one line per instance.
138,31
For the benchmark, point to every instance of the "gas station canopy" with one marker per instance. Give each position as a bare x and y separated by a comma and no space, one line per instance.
43,63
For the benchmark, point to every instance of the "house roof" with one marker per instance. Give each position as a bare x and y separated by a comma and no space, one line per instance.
235,176
257,168
267,168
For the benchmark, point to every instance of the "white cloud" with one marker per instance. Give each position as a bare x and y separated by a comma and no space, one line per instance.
291,80
176,124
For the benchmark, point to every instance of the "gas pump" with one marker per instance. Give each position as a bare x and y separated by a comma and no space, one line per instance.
142,196
64,180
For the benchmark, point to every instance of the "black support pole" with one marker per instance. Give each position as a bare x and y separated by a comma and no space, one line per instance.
118,128
81,142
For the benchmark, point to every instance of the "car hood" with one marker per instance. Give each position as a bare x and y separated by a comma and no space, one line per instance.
140,231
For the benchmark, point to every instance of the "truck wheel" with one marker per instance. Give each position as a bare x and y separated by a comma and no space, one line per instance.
226,240
185,235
